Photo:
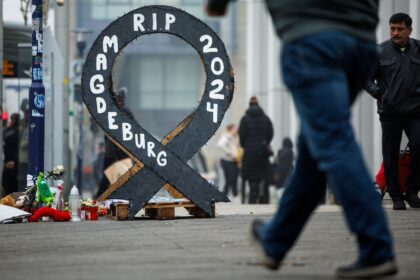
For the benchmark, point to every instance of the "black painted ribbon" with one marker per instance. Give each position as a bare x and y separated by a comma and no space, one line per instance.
163,164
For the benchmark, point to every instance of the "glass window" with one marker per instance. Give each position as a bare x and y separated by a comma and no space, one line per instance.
169,2
114,11
183,75
98,12
163,82
150,81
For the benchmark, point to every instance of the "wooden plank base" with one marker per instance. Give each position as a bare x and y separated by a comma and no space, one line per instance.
118,211
166,211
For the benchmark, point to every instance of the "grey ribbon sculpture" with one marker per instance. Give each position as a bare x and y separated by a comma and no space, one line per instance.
159,163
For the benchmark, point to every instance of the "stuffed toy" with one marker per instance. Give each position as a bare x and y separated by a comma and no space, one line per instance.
9,200
55,215
43,195
20,200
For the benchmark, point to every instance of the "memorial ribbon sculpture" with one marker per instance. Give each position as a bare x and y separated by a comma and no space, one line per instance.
159,164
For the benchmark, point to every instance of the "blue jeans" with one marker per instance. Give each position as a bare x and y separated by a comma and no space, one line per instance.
325,72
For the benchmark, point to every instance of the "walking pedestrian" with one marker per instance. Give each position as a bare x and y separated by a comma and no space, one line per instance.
328,53
396,85
255,135
229,144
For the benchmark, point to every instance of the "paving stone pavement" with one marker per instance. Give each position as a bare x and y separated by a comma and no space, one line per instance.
188,248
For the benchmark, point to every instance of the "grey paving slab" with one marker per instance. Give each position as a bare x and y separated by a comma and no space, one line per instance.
189,248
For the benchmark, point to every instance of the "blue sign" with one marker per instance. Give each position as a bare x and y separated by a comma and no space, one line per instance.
39,101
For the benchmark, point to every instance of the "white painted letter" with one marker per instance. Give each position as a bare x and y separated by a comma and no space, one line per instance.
162,161
111,120
213,109
214,93
96,88
107,43
154,21
150,146
170,18
208,47
138,19
101,62
221,66
126,132
100,105
140,142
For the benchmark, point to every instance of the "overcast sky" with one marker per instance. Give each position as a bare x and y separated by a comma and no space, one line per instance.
12,14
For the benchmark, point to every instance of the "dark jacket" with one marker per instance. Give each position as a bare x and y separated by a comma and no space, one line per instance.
294,19
255,135
397,79
217,4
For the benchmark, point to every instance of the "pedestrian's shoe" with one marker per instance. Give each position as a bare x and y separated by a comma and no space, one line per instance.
363,271
398,203
255,240
413,200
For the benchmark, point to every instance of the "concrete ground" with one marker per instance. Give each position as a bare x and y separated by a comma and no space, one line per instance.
188,248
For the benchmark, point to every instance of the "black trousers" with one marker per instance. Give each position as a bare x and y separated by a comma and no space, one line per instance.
392,128
231,171
259,192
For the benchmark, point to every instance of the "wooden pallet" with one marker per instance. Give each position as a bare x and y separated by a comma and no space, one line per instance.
118,211
166,210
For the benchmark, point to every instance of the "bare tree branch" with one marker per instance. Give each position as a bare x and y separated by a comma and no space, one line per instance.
45,9
24,7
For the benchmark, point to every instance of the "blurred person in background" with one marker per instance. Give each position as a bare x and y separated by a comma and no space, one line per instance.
98,164
113,153
229,144
255,135
23,145
11,151
284,160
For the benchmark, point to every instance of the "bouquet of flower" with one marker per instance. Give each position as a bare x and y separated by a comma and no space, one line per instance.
56,186
56,173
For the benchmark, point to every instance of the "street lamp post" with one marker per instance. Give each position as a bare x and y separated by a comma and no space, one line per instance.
36,96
